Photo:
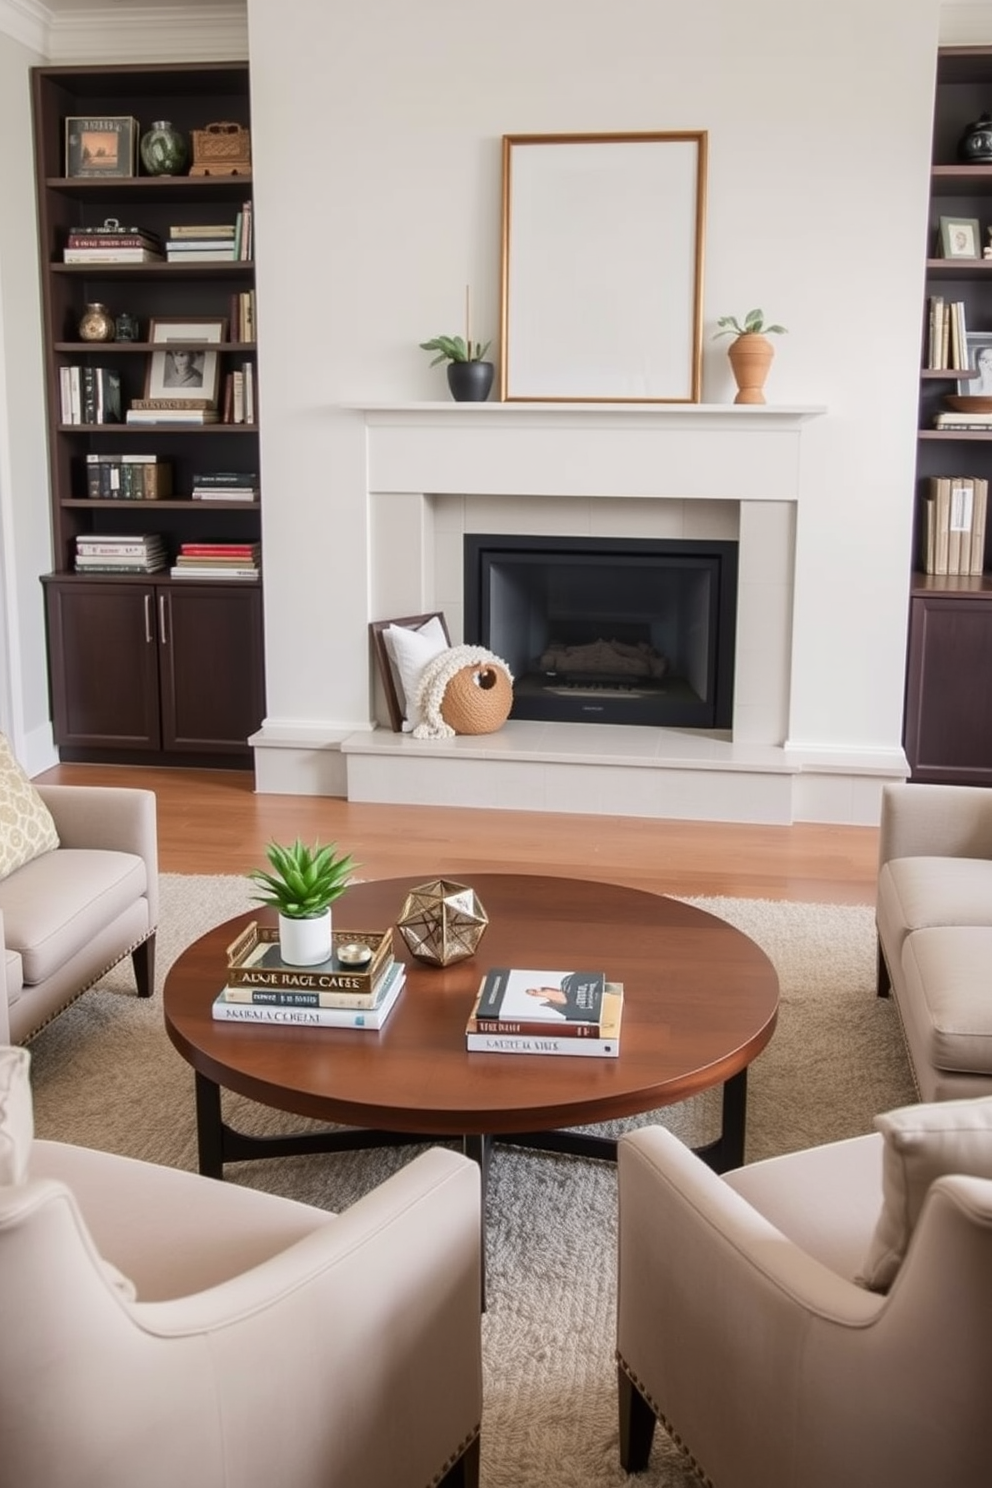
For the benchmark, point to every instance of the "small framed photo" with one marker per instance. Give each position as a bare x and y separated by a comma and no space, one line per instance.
106,146
960,237
979,357
187,369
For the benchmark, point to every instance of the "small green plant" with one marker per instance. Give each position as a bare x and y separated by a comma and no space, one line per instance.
304,880
455,349
754,325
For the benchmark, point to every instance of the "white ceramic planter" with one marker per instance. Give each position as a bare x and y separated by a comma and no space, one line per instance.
305,942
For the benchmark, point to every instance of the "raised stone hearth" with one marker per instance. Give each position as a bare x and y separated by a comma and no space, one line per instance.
436,472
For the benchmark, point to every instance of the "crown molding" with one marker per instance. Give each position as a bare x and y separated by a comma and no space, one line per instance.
26,21
130,32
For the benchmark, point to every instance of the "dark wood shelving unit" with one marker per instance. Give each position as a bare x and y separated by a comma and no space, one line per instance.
142,667
947,732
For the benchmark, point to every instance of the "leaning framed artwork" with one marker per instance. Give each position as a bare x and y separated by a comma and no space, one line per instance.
980,358
602,253
186,367
960,237
104,146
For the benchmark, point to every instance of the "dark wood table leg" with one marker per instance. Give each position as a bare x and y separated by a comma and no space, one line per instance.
479,1149
728,1150
209,1127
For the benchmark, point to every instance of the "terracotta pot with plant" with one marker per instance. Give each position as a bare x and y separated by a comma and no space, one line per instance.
303,884
750,353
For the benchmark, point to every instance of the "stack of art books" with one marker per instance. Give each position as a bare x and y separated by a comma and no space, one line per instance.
521,1011
340,993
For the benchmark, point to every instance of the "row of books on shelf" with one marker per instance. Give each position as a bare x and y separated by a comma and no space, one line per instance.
564,1013
241,324
187,242
148,553
954,520
947,335
146,477
92,395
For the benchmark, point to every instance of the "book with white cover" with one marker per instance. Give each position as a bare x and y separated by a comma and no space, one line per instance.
316,1017
605,1045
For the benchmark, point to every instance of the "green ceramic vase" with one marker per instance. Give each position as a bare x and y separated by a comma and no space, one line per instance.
163,150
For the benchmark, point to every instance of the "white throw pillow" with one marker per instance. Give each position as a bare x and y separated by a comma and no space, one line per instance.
410,651
27,828
922,1143
16,1114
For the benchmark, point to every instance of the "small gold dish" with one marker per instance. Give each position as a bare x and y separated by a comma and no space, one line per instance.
355,953
968,402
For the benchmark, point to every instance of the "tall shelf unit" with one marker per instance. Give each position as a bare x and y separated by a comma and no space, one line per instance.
145,668
948,715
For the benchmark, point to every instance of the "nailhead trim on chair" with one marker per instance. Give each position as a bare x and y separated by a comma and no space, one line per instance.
459,1451
91,983
669,1428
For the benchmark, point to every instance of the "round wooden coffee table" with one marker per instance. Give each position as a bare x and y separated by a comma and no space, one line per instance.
700,1002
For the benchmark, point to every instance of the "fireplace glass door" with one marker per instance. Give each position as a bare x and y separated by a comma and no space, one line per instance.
608,630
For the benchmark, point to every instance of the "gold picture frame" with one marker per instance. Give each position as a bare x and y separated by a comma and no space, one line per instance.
602,259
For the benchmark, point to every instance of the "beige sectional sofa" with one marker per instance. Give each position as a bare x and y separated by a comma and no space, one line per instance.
934,918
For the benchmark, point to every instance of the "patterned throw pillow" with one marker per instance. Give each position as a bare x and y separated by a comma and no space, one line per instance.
26,826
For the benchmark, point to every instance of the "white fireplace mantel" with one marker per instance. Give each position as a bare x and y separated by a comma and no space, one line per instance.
663,451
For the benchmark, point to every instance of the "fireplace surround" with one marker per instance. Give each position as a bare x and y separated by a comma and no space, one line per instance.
413,478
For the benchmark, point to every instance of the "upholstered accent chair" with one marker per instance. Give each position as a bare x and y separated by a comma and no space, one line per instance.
742,1325
78,893
158,1328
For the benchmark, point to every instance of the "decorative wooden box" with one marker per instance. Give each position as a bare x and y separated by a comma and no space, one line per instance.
222,149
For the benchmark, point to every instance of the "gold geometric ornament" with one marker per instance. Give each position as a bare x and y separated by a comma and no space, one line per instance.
442,922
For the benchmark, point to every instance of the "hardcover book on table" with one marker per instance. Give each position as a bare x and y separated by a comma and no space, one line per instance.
288,1015
548,998
601,1040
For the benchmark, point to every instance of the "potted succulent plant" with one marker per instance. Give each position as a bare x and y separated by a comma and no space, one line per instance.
469,376
750,353
302,885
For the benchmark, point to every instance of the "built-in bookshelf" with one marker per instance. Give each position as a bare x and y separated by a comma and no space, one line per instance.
144,666
948,714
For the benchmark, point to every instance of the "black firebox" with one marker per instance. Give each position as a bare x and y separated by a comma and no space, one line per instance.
608,630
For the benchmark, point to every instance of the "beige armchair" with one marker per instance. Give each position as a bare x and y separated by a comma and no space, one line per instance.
741,1326
243,1340
69,915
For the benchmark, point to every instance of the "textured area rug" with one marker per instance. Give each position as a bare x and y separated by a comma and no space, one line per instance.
105,1075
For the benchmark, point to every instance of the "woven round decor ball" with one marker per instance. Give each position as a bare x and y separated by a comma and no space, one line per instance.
477,700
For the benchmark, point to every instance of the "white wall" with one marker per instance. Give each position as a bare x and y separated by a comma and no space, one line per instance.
377,191
25,545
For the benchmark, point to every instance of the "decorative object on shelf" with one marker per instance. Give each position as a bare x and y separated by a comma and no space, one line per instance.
750,353
975,145
96,324
464,690
126,327
977,357
100,147
163,150
960,237
469,377
221,149
302,886
442,922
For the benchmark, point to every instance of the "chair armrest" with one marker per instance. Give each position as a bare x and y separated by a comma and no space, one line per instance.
114,818
4,1013
935,821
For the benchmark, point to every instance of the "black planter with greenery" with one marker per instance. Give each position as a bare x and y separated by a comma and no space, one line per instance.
469,377
470,382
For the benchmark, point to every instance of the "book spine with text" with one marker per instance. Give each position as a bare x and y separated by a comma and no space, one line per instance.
275,996
313,1017
498,1043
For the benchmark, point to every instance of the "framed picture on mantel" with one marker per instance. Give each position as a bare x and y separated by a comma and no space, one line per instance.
602,267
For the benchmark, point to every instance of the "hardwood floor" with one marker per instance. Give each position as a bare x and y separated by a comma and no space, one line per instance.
212,821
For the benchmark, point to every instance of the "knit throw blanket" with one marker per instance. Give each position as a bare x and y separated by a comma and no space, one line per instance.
434,679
